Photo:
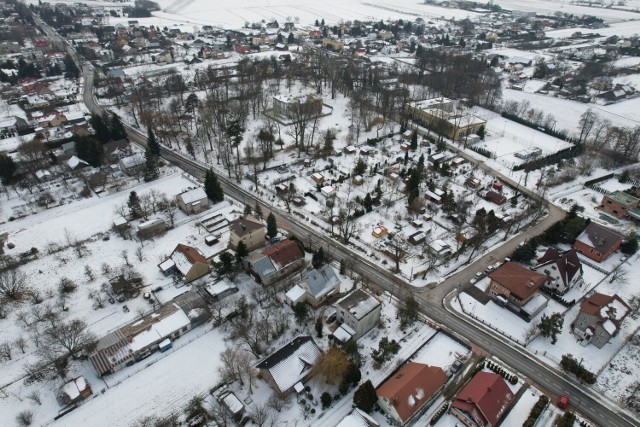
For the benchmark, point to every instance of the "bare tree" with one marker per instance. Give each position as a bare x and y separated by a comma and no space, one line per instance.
24,418
13,284
139,254
70,338
5,351
21,344
35,397
278,402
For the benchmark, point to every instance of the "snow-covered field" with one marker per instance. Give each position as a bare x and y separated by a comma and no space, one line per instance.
550,7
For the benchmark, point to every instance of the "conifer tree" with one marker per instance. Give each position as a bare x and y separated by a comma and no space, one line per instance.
135,210
116,129
151,171
152,143
272,225
212,187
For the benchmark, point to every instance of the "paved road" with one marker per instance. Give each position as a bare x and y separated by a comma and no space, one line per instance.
431,301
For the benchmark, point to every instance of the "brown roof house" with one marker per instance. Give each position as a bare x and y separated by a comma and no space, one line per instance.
620,205
186,261
600,318
289,367
74,391
315,287
563,269
409,389
483,401
597,242
275,262
516,288
248,229
495,197
193,201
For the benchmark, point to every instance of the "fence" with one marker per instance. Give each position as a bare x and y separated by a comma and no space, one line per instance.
473,316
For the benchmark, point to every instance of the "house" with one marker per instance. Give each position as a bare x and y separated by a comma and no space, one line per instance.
188,261
111,353
495,197
443,116
600,318
193,201
409,389
248,230
151,228
360,310
620,205
315,287
440,248
234,405
132,165
379,231
290,106
114,151
75,390
290,366
328,191
483,401
317,178
597,242
275,262
563,270
418,237
358,418
516,287
220,290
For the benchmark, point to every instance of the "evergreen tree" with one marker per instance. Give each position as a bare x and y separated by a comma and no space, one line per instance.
101,127
408,312
7,169
247,209
365,397
152,143
135,210
90,150
406,158
630,245
71,70
212,187
300,312
151,171
116,128
226,263
360,168
272,225
241,251
258,211
481,132
551,326
367,203
317,260
291,39
319,327
414,140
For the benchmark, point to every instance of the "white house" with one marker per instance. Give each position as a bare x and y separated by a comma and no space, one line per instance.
563,269
360,310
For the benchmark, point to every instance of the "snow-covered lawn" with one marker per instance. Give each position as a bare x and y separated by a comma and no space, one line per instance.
620,378
161,389
442,351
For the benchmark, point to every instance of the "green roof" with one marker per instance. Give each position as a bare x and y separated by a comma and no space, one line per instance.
623,198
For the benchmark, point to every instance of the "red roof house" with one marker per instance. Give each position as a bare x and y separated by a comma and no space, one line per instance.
483,401
409,389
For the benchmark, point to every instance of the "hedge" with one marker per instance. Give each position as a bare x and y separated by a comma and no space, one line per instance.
549,131
570,364
567,153
536,411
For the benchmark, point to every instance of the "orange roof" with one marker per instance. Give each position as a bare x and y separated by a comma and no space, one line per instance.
284,253
190,253
520,281
411,387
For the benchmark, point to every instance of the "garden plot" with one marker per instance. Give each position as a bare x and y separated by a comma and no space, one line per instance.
499,318
507,138
620,378
596,359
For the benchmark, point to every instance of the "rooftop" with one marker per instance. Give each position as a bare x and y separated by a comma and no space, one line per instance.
599,237
520,281
359,303
292,363
485,398
623,198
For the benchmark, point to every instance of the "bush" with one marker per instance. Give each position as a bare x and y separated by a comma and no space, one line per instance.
24,418
439,414
325,399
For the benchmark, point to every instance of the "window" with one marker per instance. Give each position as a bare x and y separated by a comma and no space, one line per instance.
185,329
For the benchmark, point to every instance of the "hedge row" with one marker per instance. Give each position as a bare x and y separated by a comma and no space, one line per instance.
439,414
532,125
536,411
567,153
504,374
570,364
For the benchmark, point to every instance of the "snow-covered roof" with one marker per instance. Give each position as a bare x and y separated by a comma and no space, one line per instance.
194,195
292,362
358,418
74,162
295,294
359,303
73,388
341,334
181,262
233,403
320,282
160,330
218,288
167,264
609,326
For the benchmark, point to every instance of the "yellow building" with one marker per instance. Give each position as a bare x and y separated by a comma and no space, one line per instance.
441,116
